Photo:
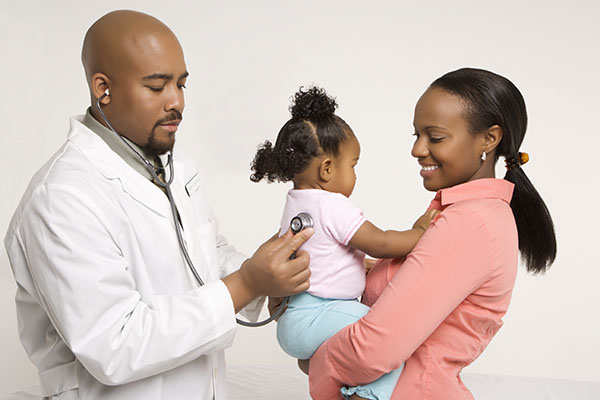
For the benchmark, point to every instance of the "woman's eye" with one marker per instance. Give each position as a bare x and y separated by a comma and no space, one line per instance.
155,89
182,86
435,139
416,134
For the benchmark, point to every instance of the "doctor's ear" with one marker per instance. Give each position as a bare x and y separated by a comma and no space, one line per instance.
99,87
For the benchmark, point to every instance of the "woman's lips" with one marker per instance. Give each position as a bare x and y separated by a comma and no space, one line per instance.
428,170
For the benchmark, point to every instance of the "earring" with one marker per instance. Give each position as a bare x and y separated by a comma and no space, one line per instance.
483,156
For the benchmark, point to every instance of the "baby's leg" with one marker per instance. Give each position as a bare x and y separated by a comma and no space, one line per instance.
381,389
310,320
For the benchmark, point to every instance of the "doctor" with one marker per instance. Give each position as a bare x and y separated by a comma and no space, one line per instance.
107,306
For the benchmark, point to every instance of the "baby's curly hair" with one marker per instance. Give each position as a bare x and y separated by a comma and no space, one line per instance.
314,129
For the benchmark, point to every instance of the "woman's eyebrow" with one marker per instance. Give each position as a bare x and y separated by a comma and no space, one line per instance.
429,127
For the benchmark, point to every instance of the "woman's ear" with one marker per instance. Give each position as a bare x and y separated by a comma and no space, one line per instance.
100,85
492,138
326,169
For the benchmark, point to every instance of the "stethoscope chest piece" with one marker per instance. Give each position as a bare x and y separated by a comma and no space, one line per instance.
301,221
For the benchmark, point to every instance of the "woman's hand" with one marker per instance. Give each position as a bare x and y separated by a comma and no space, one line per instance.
369,262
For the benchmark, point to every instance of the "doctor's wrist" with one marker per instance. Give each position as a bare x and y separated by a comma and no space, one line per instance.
240,290
249,280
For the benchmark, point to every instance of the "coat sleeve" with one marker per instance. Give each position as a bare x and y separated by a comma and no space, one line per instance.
84,284
228,258
451,260
229,261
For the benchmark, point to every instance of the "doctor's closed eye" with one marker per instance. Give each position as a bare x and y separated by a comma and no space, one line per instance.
160,89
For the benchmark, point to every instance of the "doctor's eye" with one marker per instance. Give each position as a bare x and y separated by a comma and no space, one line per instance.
182,86
155,89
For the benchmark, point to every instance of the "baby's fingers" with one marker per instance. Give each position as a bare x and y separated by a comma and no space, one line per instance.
432,213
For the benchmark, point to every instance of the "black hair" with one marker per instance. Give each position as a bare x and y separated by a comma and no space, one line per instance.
314,129
494,100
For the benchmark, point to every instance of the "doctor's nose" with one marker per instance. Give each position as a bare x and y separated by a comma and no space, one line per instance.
175,100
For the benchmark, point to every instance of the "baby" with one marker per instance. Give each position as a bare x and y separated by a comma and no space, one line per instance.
318,151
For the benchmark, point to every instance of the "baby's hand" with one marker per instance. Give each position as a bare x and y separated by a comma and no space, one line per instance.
425,219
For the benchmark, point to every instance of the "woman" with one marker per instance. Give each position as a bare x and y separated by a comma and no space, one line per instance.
437,309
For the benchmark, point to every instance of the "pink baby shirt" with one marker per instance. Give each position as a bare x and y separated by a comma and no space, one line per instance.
337,270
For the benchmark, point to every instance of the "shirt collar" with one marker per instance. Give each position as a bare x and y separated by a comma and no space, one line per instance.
489,188
117,145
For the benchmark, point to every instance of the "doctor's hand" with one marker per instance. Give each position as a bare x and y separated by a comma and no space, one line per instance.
273,305
270,272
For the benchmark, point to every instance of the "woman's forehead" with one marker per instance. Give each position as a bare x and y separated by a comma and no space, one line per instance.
438,107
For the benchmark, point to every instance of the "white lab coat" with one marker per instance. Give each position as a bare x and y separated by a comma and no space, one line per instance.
107,307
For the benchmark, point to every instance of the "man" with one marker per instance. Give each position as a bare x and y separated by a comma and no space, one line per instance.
107,305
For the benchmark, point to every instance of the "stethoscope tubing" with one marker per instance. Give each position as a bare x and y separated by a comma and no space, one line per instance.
167,186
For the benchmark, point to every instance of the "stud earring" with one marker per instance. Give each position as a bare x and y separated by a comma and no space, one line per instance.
483,156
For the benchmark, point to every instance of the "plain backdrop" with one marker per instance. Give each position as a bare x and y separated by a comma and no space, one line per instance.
246,58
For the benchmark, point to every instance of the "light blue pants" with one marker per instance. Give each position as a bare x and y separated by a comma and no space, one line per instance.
310,320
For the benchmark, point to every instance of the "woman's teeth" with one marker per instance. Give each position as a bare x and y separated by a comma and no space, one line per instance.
429,167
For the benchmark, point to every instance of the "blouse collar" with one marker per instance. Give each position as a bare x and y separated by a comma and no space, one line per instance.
488,188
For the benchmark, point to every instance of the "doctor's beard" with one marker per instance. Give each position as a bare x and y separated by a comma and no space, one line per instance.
155,147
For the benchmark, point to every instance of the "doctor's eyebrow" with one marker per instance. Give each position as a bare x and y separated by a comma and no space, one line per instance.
167,77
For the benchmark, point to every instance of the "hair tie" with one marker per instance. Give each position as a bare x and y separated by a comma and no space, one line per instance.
517,161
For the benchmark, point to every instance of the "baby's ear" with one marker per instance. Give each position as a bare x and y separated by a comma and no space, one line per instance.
326,170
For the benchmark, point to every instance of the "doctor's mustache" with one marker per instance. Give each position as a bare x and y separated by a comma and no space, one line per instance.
173,116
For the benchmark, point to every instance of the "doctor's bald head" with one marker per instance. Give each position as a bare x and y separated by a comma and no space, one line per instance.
139,61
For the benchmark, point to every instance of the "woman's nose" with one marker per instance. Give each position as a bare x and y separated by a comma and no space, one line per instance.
419,149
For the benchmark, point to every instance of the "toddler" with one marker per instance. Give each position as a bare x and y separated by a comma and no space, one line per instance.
318,151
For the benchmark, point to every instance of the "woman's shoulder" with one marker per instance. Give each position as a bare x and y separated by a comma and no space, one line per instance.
490,212
487,224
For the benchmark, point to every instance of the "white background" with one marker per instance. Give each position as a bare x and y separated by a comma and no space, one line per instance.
247,57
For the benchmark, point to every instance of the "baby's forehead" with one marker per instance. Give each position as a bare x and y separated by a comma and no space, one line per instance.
350,147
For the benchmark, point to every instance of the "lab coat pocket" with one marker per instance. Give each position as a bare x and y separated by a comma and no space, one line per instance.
205,249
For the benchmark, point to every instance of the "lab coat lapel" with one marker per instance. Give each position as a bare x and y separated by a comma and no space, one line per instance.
114,167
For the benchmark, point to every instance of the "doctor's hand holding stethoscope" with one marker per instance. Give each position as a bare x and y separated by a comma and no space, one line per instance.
270,271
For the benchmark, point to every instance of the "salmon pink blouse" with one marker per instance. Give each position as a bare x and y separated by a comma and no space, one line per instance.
438,308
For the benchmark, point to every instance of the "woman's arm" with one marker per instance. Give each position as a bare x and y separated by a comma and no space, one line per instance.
451,261
390,244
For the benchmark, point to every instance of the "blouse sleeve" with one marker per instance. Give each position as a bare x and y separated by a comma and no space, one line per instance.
452,259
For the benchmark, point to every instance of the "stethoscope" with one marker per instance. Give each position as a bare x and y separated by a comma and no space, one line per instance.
298,223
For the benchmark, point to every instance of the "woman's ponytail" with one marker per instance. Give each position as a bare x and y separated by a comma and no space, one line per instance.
537,241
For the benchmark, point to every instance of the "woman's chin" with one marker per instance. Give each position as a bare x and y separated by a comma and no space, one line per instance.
430,186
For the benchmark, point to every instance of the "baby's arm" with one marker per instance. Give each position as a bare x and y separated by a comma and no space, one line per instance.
390,244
